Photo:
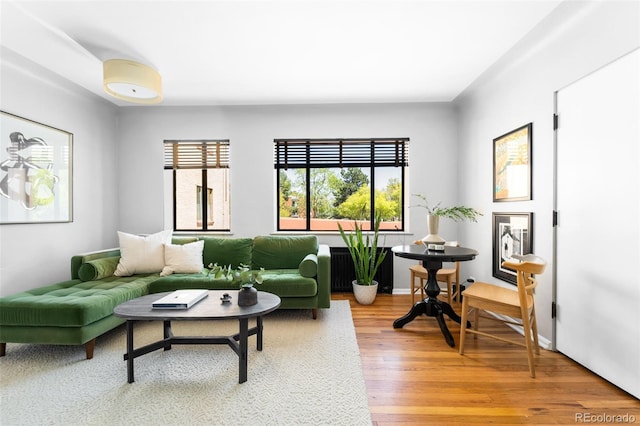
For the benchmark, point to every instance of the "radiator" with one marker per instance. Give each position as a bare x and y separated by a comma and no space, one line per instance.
343,273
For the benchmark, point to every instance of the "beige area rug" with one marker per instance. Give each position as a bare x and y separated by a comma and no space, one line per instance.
309,372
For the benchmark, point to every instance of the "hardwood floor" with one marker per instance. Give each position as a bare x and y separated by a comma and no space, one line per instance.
414,377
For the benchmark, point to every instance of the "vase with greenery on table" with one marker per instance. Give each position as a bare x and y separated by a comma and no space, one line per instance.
456,213
242,276
363,248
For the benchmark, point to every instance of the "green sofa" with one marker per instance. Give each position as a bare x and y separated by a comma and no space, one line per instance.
76,311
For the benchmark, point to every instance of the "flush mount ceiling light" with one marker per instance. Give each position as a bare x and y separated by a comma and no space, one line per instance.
132,81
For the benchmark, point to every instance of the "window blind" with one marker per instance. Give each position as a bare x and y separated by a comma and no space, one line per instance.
329,153
211,154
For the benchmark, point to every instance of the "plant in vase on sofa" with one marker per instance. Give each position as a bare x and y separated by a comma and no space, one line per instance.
243,276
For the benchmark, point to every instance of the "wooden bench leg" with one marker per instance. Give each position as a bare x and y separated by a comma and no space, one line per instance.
314,313
89,347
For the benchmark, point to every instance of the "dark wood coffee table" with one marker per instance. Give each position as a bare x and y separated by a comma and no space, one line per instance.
210,308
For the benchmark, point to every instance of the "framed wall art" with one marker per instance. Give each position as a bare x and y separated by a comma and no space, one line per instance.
512,165
512,234
35,172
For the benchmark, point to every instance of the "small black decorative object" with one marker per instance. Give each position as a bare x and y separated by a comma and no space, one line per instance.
247,296
226,298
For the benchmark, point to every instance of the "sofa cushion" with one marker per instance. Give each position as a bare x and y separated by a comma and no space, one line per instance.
183,258
308,267
287,283
72,303
98,269
227,251
142,255
282,252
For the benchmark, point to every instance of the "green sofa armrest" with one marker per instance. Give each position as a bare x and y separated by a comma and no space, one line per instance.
324,276
308,267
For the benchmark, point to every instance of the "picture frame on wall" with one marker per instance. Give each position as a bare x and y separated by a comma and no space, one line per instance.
512,165
512,235
35,172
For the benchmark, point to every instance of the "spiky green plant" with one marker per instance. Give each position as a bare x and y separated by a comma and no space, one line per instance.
363,248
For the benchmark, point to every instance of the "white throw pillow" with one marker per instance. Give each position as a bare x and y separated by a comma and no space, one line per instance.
183,258
141,255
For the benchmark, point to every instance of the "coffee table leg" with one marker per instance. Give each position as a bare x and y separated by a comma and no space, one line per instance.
259,333
130,351
244,337
167,333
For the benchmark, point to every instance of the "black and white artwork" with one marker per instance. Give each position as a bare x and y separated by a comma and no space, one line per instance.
35,172
511,235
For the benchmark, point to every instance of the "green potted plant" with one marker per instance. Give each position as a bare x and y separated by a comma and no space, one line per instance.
456,213
363,248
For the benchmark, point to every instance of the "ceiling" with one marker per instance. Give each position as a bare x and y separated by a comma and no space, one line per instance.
275,52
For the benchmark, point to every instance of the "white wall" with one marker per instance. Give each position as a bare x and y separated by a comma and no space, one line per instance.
574,40
32,255
251,131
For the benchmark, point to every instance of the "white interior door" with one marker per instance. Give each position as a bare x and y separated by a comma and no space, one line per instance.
598,232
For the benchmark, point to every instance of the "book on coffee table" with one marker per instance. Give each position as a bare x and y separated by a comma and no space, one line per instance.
180,299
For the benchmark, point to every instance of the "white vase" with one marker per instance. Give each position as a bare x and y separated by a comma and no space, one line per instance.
365,294
433,223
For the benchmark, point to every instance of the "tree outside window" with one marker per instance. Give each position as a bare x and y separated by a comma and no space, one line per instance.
340,181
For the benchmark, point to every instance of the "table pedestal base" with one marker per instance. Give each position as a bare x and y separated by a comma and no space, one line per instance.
238,342
431,307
